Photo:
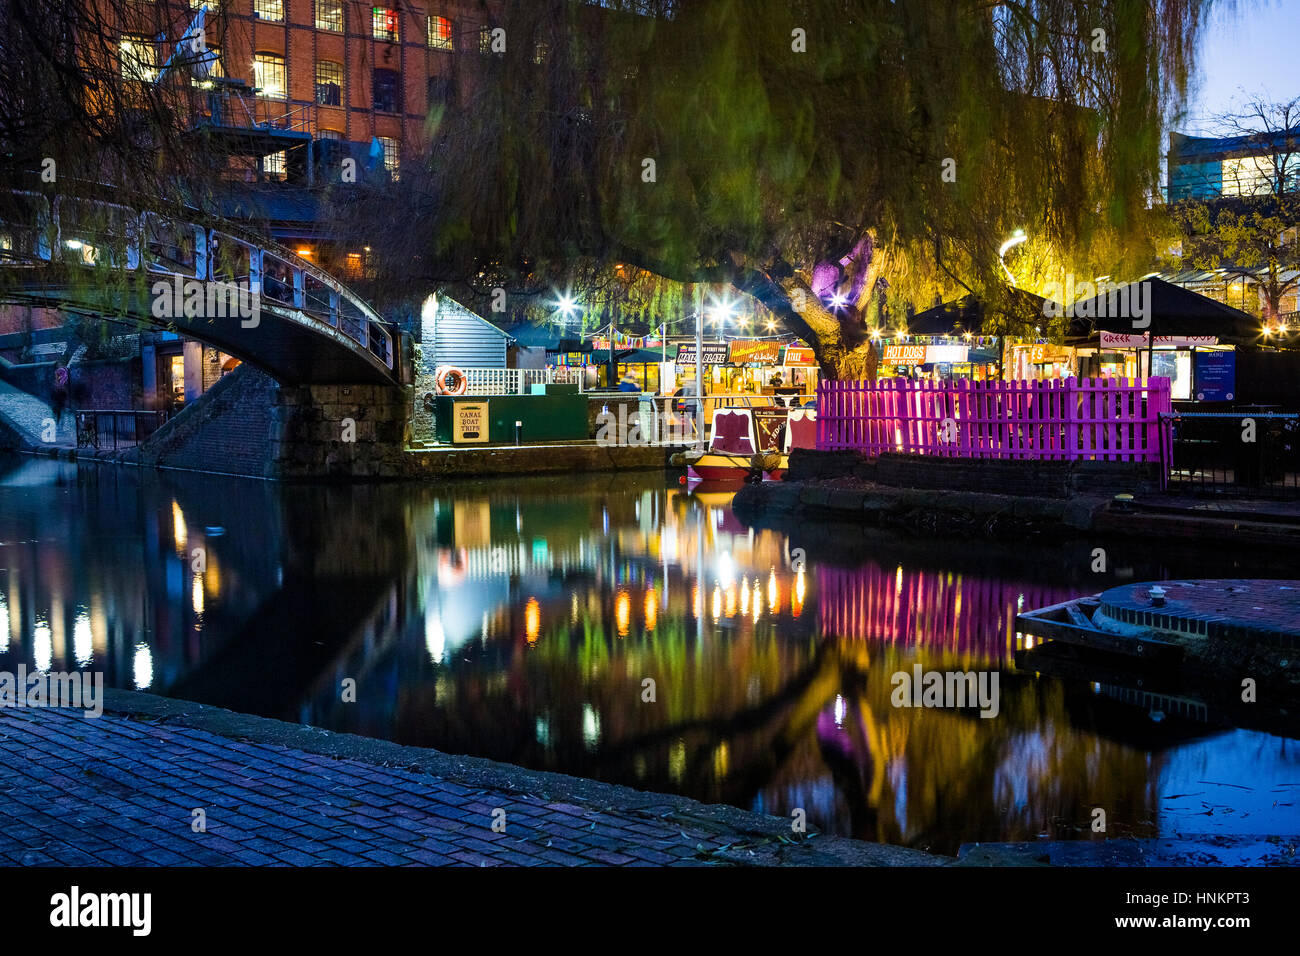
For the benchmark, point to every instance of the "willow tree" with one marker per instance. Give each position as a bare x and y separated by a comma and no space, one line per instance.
810,154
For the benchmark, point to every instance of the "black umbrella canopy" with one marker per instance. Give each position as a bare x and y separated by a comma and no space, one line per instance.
969,313
1170,309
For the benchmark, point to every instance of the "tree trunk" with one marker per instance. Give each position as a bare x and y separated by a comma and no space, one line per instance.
841,346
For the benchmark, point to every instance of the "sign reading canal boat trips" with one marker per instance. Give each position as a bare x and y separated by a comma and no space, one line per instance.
1124,340
469,422
754,352
715,353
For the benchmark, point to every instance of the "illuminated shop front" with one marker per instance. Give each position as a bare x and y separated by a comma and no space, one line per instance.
1167,332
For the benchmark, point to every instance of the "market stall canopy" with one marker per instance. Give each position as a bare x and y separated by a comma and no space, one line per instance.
1171,311
969,313
628,356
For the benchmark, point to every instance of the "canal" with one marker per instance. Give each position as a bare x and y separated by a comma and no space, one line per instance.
619,628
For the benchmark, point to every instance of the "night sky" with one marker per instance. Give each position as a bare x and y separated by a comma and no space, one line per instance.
1249,48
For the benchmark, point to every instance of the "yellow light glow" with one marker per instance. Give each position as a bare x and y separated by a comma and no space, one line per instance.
622,612
796,596
651,610
179,532
717,602
532,620
196,594
773,593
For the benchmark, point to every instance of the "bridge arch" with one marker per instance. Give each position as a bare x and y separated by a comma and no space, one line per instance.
291,319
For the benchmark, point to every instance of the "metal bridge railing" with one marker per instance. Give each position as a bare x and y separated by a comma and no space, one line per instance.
93,233
1244,453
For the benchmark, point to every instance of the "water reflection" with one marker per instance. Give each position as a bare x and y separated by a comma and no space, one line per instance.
617,628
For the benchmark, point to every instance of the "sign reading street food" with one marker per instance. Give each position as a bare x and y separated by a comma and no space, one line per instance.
1124,340
469,422
754,352
715,353
799,356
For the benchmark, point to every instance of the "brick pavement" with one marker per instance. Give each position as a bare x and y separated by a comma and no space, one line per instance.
121,790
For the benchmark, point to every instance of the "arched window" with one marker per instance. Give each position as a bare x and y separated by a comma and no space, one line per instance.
329,83
268,76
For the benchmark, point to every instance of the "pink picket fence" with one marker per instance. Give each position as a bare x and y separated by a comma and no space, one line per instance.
1100,419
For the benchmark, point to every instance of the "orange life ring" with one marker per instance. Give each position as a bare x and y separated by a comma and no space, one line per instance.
459,381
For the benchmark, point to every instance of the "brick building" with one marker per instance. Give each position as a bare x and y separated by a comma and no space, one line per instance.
332,69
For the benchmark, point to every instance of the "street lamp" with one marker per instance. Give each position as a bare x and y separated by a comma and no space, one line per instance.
1016,239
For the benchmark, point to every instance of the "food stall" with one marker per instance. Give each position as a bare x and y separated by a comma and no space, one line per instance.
1162,330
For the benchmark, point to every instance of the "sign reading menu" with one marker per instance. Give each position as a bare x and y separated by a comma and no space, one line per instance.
1215,375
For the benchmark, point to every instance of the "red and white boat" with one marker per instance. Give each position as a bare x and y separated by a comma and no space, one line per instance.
752,443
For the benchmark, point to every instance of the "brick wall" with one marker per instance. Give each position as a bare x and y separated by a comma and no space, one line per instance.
226,431
1043,479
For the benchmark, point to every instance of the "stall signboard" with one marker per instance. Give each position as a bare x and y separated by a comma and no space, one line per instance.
946,354
926,354
799,356
904,354
1215,374
715,353
1123,340
469,422
754,352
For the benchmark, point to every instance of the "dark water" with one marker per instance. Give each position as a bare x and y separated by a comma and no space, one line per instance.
519,620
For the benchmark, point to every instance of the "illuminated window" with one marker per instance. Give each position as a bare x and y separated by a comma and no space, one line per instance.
391,149
1248,176
387,91
329,15
485,40
139,58
440,33
384,23
269,10
329,83
268,76
330,134
273,166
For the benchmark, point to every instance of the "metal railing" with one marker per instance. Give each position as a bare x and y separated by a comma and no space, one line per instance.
1243,453
517,381
91,430
94,233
